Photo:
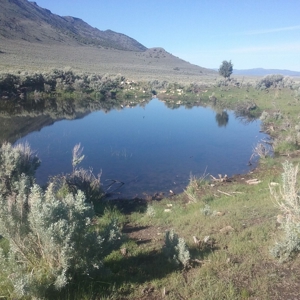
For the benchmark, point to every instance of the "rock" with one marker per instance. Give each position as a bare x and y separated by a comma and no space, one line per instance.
226,229
220,213
253,181
196,240
206,239
280,219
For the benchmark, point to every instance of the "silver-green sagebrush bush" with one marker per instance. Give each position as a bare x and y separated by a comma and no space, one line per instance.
15,162
276,81
288,201
50,239
176,249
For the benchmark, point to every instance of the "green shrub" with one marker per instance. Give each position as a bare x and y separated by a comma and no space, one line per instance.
270,81
175,249
8,82
150,212
206,210
33,81
51,239
62,81
288,201
264,116
15,161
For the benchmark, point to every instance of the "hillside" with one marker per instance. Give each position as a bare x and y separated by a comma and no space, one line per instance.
21,19
33,38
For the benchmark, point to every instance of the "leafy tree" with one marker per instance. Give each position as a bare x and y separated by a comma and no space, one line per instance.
225,69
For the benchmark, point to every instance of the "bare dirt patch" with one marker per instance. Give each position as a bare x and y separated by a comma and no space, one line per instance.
145,234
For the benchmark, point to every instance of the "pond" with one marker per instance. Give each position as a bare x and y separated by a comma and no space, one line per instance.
149,148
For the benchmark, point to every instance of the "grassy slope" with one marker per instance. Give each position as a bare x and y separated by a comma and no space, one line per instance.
36,39
153,64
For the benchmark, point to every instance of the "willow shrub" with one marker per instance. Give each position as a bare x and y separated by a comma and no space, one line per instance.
50,239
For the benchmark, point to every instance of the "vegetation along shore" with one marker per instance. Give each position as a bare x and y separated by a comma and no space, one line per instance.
223,238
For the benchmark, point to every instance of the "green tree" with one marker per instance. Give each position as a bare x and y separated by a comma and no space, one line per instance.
225,69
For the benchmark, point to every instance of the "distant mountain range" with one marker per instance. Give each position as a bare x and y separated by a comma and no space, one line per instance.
263,72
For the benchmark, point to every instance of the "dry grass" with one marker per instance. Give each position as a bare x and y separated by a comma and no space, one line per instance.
153,64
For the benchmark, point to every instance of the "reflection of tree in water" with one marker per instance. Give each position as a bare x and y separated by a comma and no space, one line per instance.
222,118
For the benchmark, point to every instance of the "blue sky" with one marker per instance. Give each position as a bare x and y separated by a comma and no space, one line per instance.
250,33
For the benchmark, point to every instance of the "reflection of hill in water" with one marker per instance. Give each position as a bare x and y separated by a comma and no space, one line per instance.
19,118
14,128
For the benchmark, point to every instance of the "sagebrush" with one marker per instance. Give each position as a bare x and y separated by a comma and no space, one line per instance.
175,249
288,201
51,239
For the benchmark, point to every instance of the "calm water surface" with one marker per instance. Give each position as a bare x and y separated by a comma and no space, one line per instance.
151,149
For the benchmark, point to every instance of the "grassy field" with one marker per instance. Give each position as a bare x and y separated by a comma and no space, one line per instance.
153,64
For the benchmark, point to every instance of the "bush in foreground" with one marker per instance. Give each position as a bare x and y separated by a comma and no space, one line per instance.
288,200
50,239
176,249
15,163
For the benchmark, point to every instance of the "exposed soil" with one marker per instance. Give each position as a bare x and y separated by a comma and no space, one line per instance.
145,234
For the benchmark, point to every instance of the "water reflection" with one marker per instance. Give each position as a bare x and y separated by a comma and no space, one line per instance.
20,117
222,118
147,147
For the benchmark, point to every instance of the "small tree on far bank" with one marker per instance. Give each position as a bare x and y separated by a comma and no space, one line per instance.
226,68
